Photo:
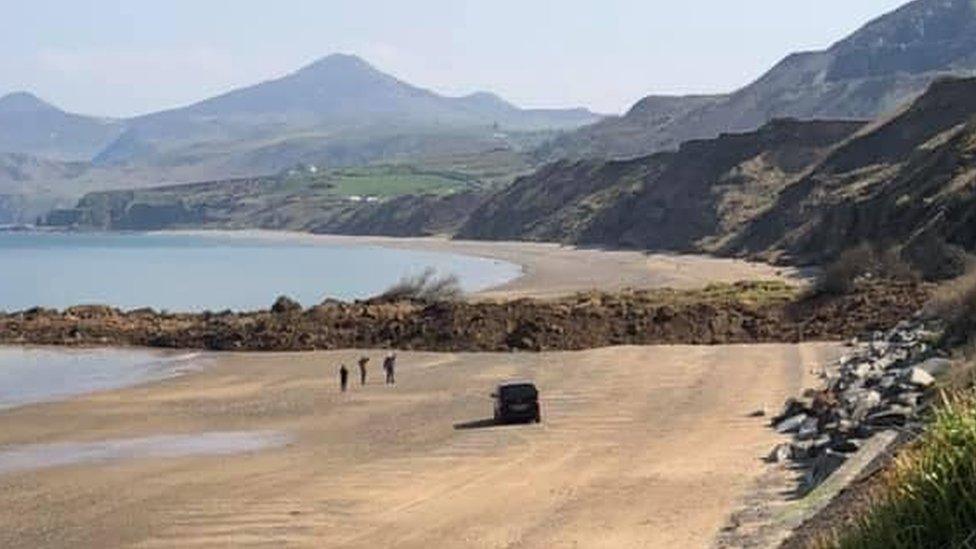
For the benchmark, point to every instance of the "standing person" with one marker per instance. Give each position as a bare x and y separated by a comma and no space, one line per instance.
388,366
363,360
343,377
391,373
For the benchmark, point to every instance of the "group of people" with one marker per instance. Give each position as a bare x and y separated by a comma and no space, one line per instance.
389,367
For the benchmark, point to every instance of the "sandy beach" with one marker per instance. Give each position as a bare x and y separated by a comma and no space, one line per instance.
639,447
553,270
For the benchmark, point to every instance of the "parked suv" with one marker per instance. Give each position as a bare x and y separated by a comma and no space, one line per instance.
516,402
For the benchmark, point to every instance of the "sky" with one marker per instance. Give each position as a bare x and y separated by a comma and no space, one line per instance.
122,58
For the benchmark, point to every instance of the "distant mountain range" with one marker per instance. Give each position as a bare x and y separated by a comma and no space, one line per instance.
338,111
886,63
338,99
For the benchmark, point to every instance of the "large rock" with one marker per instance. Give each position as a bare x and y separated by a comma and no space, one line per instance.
935,367
894,415
919,377
791,424
824,465
809,429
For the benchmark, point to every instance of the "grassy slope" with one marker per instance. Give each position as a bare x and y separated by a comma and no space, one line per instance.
928,498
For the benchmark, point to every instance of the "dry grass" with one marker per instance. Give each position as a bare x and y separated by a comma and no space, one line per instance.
955,302
863,262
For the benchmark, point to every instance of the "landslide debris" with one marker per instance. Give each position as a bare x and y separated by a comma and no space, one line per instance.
751,312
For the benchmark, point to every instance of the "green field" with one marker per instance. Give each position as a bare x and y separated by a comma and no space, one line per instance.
381,181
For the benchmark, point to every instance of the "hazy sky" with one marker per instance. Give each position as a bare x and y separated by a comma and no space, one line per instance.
127,57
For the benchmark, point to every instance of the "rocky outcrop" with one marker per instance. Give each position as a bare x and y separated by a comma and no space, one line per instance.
884,383
584,321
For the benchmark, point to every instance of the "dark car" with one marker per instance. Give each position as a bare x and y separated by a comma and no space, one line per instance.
517,402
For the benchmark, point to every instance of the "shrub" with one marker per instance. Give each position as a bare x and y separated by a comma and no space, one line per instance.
955,302
928,498
863,262
426,287
285,305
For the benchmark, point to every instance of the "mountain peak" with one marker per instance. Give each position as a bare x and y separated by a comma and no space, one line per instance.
23,102
339,62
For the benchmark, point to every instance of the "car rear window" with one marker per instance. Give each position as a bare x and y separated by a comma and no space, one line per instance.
519,392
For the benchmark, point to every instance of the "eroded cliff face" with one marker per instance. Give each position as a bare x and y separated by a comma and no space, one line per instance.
907,182
693,199
794,192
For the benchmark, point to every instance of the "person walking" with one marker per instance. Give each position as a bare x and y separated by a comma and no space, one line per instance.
343,377
363,360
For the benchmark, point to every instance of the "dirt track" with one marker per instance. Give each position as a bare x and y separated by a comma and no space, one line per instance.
640,447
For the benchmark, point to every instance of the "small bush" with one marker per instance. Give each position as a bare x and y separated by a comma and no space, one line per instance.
285,305
426,287
862,262
929,496
955,302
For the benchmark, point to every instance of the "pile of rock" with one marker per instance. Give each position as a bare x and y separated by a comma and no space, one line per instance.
882,384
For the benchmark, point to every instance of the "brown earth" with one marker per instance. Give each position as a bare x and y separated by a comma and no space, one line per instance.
754,312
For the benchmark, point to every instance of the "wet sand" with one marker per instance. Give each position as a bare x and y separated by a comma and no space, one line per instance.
639,447
553,270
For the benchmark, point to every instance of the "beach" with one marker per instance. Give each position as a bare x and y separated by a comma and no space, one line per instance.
639,447
554,270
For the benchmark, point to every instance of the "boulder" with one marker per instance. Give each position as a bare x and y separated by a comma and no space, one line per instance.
824,465
911,399
791,424
894,415
864,403
935,367
845,445
919,377
780,453
809,429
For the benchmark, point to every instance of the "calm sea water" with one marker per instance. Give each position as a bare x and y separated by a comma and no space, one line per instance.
38,374
182,272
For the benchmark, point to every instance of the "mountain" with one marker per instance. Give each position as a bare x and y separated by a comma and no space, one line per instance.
795,192
908,182
28,125
686,200
338,99
886,63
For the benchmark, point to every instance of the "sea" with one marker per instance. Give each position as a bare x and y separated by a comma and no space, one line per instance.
211,271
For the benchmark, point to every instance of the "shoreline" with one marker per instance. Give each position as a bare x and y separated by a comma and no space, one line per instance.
551,270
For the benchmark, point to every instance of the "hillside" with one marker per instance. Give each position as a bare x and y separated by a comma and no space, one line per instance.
30,126
337,112
338,101
794,192
886,63
382,200
689,199
909,181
